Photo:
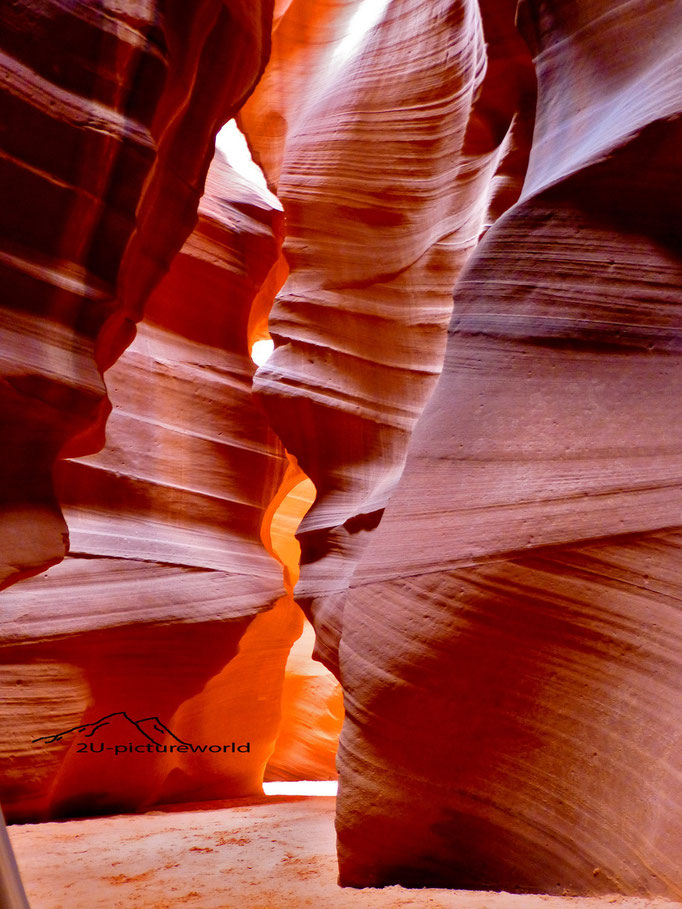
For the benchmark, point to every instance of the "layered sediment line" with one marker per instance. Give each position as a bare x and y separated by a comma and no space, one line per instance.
156,610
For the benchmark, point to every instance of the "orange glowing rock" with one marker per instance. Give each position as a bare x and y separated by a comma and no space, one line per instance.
312,714
167,557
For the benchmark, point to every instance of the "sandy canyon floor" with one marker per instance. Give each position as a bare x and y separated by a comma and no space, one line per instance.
275,853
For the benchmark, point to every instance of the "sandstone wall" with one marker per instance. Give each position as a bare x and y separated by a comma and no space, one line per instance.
511,643
500,605
163,606
110,113
383,151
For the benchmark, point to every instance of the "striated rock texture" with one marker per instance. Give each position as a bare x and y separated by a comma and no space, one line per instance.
511,648
170,603
162,607
110,112
382,146
509,636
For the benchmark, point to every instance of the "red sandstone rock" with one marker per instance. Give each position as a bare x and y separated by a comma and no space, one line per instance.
512,683
168,522
510,648
385,185
110,113
312,714
149,613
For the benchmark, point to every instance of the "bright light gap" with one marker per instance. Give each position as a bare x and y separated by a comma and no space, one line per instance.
232,143
261,351
302,787
367,16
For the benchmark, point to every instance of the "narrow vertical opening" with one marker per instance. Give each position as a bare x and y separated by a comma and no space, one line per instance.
305,679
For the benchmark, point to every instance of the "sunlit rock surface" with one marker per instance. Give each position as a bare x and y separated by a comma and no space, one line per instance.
512,645
384,169
312,714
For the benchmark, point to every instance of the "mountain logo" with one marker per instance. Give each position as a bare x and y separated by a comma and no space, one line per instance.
118,733
150,728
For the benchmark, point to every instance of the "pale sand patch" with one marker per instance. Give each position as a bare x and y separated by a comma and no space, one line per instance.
277,853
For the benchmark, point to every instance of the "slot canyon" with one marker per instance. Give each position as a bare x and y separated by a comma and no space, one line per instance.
340,397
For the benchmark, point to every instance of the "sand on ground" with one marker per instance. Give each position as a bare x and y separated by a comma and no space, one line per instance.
274,853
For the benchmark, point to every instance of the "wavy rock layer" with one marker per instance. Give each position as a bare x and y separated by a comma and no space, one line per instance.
111,111
513,683
382,150
163,607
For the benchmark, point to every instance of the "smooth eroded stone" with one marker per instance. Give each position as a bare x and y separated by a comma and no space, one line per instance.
383,145
511,642
169,605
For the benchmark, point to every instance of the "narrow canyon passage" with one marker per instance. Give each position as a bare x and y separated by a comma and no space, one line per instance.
339,408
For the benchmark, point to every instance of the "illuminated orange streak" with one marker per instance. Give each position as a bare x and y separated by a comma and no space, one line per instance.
257,328
281,519
311,698
311,701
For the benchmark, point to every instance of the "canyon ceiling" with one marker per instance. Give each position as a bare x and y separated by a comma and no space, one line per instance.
489,483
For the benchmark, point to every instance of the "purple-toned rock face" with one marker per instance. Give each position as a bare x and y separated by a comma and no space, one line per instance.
491,560
510,648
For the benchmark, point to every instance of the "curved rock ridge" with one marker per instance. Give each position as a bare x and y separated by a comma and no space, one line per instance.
502,604
169,604
511,647
382,147
110,112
